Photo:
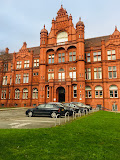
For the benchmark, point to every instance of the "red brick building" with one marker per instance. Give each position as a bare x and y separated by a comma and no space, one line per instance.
65,67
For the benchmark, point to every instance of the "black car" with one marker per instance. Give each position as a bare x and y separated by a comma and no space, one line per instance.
68,109
46,110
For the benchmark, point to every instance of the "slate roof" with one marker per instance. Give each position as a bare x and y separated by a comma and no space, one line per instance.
6,57
36,50
95,42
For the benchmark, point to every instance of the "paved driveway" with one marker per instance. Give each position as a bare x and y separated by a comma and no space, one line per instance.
16,118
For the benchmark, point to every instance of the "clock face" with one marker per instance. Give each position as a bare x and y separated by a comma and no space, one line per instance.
62,37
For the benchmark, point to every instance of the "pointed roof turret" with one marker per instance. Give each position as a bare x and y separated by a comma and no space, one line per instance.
79,23
44,30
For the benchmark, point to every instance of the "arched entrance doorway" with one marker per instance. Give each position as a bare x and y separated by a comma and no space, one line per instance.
61,94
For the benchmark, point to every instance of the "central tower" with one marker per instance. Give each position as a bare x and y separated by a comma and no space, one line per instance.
62,60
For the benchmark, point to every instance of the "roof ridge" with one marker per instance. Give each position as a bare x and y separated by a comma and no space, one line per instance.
97,37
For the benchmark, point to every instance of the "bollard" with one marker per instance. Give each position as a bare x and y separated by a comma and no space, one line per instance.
68,117
86,112
73,115
56,120
59,120
79,113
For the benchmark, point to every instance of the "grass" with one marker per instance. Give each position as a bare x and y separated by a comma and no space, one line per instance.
95,137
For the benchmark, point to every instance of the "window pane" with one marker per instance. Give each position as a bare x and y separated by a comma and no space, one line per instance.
70,74
113,57
74,74
74,58
116,95
88,59
95,58
70,58
114,68
59,59
111,94
113,51
114,74
109,52
109,57
109,68
99,58
110,75
95,75
63,59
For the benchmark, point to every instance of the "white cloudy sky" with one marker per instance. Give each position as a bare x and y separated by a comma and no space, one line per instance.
22,20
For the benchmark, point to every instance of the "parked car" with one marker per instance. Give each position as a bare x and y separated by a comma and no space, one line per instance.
68,109
73,106
84,107
46,110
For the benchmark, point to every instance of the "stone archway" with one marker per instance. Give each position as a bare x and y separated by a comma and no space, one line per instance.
61,94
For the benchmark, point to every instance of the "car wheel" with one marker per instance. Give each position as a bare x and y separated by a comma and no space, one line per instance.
30,114
53,115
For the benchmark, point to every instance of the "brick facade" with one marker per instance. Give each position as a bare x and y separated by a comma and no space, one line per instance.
65,67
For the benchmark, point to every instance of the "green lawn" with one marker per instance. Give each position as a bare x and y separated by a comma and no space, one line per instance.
94,137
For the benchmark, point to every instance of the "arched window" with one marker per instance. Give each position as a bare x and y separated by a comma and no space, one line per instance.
25,93
88,92
113,91
61,74
17,94
35,93
62,37
98,92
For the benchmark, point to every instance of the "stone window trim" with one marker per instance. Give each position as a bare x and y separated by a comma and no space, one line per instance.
19,64
98,92
51,58
35,93
26,63
72,56
113,91
98,73
96,56
112,72
36,63
111,55
61,57
17,93
25,93
88,92
88,57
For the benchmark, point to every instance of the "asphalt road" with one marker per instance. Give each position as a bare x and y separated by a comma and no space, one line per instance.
16,118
